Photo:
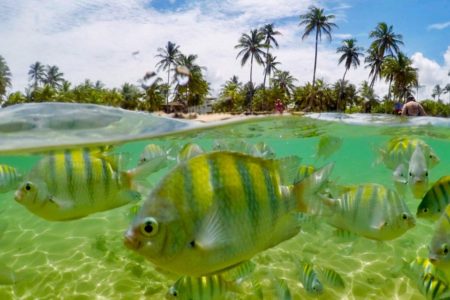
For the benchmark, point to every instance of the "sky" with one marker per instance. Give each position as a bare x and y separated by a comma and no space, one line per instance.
116,41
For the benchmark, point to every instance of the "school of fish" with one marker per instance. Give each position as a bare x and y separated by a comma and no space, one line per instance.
213,211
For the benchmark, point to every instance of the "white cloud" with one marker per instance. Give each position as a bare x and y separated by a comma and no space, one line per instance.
439,26
96,39
431,73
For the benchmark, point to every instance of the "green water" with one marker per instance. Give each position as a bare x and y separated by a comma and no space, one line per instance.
86,259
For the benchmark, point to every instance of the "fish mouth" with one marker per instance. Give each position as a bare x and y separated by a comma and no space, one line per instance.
18,196
130,241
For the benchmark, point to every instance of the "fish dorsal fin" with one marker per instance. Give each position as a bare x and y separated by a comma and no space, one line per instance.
288,168
212,233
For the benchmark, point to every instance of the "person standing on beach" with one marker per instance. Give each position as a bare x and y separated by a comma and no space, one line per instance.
412,108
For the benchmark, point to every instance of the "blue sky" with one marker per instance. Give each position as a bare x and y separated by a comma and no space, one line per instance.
95,39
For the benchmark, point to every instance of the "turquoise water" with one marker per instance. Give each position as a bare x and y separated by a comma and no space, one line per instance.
86,258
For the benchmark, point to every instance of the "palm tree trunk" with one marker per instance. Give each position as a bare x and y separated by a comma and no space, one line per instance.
251,68
168,89
341,90
265,69
389,89
315,59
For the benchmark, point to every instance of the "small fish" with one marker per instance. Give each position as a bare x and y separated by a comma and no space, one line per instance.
418,173
75,183
435,200
304,171
10,178
309,279
419,267
400,179
218,210
440,243
212,287
152,153
327,146
188,151
261,149
399,150
372,211
282,290
330,277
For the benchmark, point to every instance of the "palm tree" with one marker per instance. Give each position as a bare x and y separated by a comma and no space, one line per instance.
437,91
269,38
270,66
196,87
36,74
399,70
251,46
350,54
168,56
315,20
447,91
285,81
374,61
385,41
53,77
5,77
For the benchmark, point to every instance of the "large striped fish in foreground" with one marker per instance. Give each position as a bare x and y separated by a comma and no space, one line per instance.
217,210
372,211
75,183
440,243
9,178
435,200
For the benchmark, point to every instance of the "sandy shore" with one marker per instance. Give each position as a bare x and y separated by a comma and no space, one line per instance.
214,117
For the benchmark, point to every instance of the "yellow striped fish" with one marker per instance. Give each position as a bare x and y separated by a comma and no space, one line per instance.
330,277
309,279
188,151
433,288
327,145
9,178
304,171
75,183
399,150
212,287
440,243
220,209
372,211
435,200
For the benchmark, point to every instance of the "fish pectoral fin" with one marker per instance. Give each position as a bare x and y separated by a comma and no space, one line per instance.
61,203
286,227
212,233
379,226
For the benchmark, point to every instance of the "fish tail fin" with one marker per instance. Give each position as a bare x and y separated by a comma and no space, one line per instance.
305,191
137,177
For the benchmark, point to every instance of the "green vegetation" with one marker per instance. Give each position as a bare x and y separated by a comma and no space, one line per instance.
186,84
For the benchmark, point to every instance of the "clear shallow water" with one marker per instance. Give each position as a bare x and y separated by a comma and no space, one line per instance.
86,259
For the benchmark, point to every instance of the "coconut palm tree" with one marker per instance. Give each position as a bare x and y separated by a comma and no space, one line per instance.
53,77
374,61
285,81
168,56
447,91
36,74
350,54
316,20
385,43
270,66
269,38
5,77
404,76
251,45
437,91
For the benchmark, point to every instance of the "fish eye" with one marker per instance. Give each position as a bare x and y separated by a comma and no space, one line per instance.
28,186
425,210
173,291
410,174
149,227
426,173
404,216
445,249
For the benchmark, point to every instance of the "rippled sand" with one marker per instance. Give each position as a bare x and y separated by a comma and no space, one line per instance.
86,259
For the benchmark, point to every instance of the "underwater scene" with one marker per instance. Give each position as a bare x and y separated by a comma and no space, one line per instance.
278,207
